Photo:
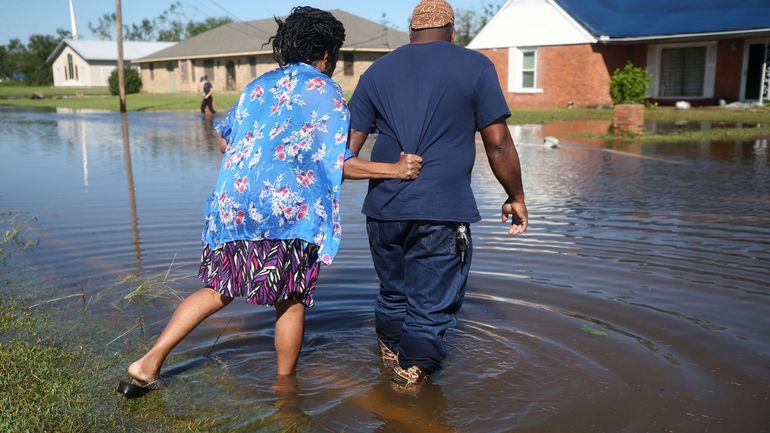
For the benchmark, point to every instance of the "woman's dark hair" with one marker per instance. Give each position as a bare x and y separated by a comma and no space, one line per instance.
305,35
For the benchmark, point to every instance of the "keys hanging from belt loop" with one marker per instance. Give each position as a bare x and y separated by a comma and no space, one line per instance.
462,241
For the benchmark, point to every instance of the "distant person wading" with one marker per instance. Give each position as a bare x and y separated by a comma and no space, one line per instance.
208,96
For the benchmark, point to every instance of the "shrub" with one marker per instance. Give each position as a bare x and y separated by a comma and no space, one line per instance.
629,85
133,81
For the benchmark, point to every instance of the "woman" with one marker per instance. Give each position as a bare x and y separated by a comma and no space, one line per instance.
274,215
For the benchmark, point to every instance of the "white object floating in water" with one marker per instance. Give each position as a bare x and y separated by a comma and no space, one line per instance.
682,105
550,142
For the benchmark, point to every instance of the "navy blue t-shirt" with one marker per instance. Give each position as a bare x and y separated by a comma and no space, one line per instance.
427,99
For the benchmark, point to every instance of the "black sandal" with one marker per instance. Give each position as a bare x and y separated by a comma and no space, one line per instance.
134,390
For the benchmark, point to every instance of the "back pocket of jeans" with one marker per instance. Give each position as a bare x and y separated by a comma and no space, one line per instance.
442,240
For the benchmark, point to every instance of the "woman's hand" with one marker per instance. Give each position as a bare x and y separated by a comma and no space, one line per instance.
408,166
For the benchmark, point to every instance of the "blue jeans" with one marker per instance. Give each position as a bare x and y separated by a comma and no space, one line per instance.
422,284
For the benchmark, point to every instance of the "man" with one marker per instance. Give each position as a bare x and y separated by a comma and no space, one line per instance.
429,98
208,98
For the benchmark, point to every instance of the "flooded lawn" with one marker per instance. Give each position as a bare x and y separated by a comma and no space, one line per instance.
637,302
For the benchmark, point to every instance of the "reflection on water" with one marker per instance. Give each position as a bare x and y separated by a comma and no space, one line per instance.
638,301
131,190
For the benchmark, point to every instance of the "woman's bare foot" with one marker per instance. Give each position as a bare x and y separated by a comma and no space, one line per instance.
141,374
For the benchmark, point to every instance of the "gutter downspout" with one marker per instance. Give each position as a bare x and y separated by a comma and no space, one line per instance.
763,88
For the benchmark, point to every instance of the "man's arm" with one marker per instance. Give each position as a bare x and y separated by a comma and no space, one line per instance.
407,167
504,161
222,144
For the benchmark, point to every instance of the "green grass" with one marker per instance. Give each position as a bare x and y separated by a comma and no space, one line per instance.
56,375
43,386
712,114
136,102
58,372
99,99
716,134
529,116
24,92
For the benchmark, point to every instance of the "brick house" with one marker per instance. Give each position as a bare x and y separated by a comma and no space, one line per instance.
555,53
232,55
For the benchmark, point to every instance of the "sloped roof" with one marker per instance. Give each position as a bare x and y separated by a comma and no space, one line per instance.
617,19
248,37
95,50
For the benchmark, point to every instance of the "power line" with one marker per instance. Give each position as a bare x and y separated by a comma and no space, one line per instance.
237,19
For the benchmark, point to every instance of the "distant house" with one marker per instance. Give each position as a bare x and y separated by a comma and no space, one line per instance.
89,63
554,53
233,54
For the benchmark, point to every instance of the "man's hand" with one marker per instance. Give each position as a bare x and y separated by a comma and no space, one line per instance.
408,166
519,216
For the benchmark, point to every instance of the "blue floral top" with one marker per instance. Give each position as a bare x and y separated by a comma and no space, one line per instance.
281,172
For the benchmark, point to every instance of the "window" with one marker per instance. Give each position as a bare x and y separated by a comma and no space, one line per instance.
152,71
192,69
76,72
348,60
71,69
522,70
253,66
682,71
528,69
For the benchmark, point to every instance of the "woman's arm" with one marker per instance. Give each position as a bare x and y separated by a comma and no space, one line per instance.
407,167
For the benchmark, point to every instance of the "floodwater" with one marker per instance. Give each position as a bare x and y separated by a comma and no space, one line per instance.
638,301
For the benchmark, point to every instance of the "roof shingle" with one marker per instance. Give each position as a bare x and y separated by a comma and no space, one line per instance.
250,37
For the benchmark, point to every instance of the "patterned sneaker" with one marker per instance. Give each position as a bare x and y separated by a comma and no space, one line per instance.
407,379
389,358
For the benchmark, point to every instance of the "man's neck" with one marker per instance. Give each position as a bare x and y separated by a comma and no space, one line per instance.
427,36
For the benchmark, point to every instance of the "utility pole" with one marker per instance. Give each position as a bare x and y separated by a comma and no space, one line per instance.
121,71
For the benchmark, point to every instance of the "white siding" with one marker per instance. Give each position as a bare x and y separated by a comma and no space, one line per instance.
60,67
530,23
88,75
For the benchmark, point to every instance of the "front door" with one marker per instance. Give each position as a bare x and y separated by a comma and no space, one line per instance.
754,69
230,83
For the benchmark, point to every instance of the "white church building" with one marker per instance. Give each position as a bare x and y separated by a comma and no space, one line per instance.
89,63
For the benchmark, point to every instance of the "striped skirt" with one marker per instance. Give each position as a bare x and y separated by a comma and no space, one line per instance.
264,272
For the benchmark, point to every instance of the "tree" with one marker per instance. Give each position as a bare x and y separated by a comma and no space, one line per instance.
104,28
144,31
133,81
28,62
171,25
196,28
3,61
468,22
15,54
35,66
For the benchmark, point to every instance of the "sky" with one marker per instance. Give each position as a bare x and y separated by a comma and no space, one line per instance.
27,17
